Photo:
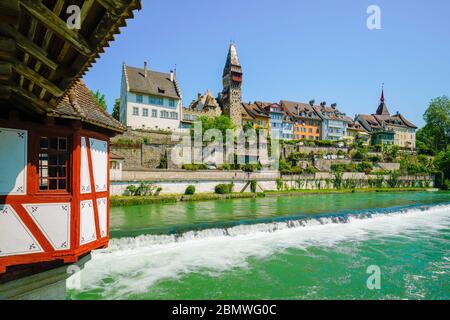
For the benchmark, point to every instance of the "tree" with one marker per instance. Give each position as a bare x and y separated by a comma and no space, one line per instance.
222,123
437,118
116,110
100,99
426,142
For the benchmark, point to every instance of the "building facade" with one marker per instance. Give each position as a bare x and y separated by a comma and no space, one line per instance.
231,96
205,105
356,132
307,125
149,99
256,114
276,115
334,122
382,121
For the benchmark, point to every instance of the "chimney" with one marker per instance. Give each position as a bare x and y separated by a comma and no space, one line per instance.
199,95
334,105
145,69
323,104
311,102
172,76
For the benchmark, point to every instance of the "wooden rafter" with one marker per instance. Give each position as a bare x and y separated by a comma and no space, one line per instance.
28,46
54,23
35,77
48,36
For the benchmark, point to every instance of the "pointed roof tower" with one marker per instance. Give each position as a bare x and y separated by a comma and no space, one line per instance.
232,63
382,108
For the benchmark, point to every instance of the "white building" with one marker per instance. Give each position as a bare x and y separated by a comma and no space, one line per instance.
150,99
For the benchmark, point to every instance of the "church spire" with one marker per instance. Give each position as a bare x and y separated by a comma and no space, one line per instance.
232,63
382,108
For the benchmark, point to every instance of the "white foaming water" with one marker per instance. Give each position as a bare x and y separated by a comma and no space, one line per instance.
134,264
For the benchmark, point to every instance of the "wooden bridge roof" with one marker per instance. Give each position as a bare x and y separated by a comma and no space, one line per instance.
41,58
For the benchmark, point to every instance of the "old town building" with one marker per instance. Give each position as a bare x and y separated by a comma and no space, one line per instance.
386,126
150,99
307,125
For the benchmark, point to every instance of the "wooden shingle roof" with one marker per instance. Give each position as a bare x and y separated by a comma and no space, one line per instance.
80,104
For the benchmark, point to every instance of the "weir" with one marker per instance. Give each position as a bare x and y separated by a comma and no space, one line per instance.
133,266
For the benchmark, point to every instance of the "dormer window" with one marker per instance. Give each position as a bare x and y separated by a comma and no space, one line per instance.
160,90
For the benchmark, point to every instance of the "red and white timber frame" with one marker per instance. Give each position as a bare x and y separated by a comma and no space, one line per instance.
46,225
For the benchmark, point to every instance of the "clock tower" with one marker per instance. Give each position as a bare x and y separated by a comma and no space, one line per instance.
231,96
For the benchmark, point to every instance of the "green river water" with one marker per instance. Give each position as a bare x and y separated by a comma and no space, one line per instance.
292,247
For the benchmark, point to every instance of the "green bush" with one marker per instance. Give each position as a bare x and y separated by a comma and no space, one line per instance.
279,184
144,189
365,167
190,190
311,170
194,166
224,188
374,158
358,155
249,167
253,186
226,166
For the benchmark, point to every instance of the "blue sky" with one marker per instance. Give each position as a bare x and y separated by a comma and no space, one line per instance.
292,49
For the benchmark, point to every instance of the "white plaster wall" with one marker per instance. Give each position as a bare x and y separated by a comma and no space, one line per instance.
15,238
141,122
99,154
53,219
85,182
13,168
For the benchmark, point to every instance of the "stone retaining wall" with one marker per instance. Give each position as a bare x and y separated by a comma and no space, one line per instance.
176,181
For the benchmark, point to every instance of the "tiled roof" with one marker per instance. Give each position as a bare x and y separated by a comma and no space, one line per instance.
354,125
296,109
330,113
156,83
81,104
204,101
256,109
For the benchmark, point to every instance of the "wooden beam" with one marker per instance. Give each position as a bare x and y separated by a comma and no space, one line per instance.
45,43
5,92
37,104
9,11
35,77
58,26
5,70
113,6
28,46
7,48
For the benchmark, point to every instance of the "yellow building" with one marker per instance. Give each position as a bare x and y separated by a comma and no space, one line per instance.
252,113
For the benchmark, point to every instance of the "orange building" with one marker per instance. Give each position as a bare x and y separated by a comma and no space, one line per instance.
307,123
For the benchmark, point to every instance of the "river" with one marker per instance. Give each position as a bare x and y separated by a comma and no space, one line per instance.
291,247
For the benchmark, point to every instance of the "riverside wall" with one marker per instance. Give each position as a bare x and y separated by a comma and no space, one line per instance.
176,181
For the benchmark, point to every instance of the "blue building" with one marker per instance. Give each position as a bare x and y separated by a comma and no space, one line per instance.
334,122
276,119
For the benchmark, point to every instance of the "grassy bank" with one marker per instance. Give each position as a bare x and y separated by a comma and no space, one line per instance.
119,201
